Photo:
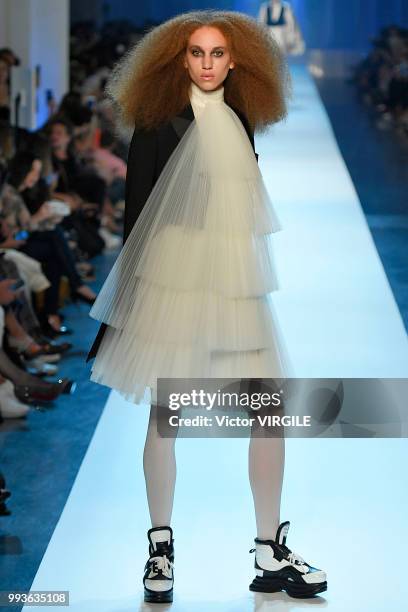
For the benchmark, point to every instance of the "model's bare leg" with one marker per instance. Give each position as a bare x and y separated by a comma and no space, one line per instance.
266,461
159,463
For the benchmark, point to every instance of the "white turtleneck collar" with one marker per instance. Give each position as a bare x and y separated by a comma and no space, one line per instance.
200,98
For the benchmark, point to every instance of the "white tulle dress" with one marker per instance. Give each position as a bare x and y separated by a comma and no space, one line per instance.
189,295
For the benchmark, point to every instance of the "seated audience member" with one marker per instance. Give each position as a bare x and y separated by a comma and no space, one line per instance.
32,234
80,187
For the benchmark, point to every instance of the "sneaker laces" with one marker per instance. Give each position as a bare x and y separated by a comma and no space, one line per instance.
291,557
161,563
294,558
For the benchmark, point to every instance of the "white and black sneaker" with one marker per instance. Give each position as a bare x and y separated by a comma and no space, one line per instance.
158,577
278,568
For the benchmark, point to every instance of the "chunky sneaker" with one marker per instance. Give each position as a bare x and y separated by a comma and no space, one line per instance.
158,577
278,568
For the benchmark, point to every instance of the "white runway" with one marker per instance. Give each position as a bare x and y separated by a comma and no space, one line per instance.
346,499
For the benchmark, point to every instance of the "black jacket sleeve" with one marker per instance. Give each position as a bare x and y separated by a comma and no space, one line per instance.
140,176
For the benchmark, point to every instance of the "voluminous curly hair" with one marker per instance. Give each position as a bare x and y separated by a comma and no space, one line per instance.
150,84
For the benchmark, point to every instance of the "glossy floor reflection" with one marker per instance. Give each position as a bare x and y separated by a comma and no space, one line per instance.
346,499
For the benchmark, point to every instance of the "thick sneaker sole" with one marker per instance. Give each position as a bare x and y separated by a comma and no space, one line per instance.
158,596
294,589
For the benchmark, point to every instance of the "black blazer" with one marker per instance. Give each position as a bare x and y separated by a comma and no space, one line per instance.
149,152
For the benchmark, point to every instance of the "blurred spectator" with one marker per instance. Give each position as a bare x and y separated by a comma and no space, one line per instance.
4,90
9,56
37,234
382,78
6,142
7,60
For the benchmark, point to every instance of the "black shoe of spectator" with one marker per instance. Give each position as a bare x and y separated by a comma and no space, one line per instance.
31,394
52,333
40,338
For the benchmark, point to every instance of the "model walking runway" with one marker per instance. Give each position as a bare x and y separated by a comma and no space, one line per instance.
347,311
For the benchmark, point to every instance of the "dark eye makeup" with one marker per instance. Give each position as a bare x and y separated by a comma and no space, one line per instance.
218,51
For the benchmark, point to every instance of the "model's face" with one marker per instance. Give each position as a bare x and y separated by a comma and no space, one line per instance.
208,58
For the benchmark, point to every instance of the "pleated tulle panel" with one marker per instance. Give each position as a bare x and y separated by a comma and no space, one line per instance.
130,372
140,368
260,363
190,294
238,205
199,319
207,223
228,264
